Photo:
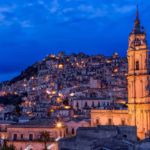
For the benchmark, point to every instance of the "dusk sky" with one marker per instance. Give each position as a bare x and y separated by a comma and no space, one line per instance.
31,29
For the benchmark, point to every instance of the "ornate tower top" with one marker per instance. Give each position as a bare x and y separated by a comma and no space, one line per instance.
137,38
137,25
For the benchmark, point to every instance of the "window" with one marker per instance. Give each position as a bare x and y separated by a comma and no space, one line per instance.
137,65
104,104
98,105
60,133
73,132
123,122
86,105
66,130
30,137
97,121
21,136
109,121
93,105
15,137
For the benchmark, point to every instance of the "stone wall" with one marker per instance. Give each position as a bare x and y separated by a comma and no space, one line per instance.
34,145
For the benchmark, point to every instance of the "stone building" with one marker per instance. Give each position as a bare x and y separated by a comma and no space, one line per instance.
73,124
138,113
101,138
27,136
82,103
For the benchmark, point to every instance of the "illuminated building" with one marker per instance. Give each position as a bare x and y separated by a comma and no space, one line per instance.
138,113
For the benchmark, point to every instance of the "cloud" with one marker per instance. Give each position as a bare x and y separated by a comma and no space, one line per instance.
124,9
58,11
5,13
5,9
69,11
54,6
25,24
2,18
41,2
29,26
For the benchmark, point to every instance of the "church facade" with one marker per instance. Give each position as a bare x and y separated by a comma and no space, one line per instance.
138,112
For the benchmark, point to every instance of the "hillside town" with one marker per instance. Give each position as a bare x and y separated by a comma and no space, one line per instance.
80,101
78,80
64,88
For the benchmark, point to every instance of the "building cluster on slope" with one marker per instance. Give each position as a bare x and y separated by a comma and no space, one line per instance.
96,81
82,99
64,89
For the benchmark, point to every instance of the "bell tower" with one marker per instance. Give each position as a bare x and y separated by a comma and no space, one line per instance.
138,80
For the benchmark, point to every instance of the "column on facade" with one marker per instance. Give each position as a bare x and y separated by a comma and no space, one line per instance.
148,120
145,121
142,120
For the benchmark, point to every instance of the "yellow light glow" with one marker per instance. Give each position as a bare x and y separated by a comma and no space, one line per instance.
59,100
59,125
60,94
116,70
60,66
53,92
67,107
51,110
109,61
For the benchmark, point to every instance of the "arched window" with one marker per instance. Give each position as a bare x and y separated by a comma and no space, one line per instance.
66,130
122,122
77,105
86,105
137,65
93,105
97,121
30,137
109,121
98,105
21,136
15,137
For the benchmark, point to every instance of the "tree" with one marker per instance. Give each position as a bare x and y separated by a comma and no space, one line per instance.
6,147
17,110
45,137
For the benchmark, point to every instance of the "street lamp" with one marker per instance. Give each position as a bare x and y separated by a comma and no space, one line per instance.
59,125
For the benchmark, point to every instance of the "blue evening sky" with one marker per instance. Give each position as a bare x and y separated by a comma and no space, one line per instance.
31,29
